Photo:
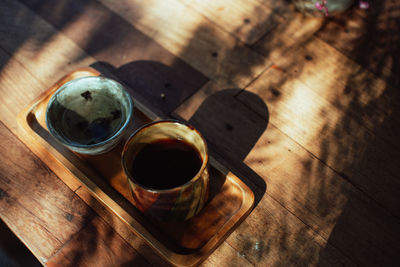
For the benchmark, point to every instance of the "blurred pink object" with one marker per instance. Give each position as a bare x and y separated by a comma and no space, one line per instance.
322,6
364,4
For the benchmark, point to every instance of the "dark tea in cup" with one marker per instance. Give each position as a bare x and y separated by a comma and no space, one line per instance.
166,166
166,163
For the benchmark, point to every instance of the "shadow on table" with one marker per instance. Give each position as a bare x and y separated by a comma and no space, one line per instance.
230,127
342,187
368,225
162,88
12,251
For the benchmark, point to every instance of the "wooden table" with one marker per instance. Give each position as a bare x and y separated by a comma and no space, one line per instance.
305,110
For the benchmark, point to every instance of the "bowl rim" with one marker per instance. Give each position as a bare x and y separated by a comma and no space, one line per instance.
58,137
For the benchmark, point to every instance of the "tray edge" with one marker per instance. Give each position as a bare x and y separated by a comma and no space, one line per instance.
26,134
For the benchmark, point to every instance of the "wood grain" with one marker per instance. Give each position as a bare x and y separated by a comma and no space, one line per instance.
295,178
315,133
326,202
293,32
122,229
38,46
30,59
188,35
151,72
352,32
25,54
278,238
248,21
97,244
226,254
182,243
235,131
221,255
12,102
343,107
34,203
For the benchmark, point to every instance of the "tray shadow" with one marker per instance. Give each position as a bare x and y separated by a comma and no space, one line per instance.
230,126
232,129
229,201
184,238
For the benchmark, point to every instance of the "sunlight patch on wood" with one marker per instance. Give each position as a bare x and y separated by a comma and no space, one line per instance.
189,35
171,24
247,20
299,180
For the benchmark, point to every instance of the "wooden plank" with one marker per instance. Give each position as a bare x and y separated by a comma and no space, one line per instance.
16,82
321,67
43,152
11,99
295,30
340,213
345,108
297,180
190,234
188,35
34,203
97,245
248,21
15,66
136,59
196,40
40,48
122,229
352,34
345,31
222,254
367,234
30,59
236,132
280,238
335,234
226,254
281,7
370,32
309,100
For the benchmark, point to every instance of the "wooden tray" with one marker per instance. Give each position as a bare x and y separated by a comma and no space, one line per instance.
182,244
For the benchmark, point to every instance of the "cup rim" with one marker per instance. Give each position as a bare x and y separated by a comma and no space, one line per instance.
55,133
131,179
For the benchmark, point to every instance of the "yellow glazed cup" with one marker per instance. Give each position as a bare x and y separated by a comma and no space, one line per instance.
180,202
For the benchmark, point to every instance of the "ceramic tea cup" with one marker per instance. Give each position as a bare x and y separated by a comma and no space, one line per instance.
89,115
166,166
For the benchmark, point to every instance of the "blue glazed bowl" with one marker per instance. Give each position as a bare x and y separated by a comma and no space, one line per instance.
89,115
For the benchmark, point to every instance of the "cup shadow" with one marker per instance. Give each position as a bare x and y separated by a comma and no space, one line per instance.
232,129
160,87
230,126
